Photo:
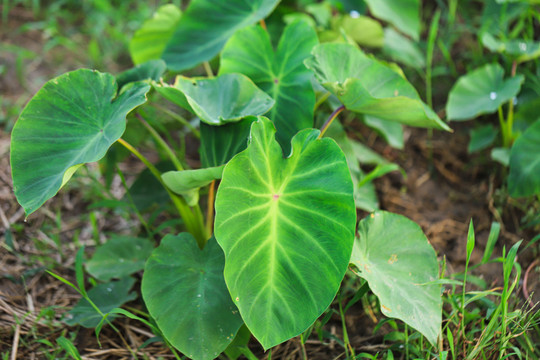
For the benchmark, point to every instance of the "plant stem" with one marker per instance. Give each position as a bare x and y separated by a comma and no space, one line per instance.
210,208
178,118
433,31
208,69
161,143
346,342
263,24
328,122
193,222
502,124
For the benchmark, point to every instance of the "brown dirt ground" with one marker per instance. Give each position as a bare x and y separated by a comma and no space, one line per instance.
441,195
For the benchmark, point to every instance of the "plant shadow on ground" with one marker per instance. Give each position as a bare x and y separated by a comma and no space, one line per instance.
445,188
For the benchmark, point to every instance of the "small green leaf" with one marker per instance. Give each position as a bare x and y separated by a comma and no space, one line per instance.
281,74
69,348
150,70
403,14
184,290
391,132
480,92
206,26
370,87
220,143
394,256
119,257
524,178
501,155
269,210
106,297
150,40
226,98
72,120
482,137
188,182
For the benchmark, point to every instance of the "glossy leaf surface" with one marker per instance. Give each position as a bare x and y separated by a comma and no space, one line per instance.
280,73
106,296
226,98
220,143
120,256
403,14
150,40
269,211
206,26
184,290
402,49
367,86
524,178
73,119
362,29
481,91
394,256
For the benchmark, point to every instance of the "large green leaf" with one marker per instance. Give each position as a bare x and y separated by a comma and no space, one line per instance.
120,256
184,290
281,74
367,86
207,25
150,40
394,256
362,29
403,14
217,101
524,178
220,143
72,120
150,70
481,91
106,296
269,211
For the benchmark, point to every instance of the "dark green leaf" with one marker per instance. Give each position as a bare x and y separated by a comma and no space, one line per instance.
524,178
206,26
119,257
482,137
106,297
72,120
391,132
184,290
150,70
281,74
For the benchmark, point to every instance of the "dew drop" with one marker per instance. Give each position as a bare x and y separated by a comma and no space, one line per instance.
493,95
523,46
354,14
198,295
109,289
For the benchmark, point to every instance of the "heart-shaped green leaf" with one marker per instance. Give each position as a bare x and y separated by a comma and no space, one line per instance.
217,101
72,120
403,14
281,74
188,182
362,29
524,178
367,86
207,25
269,211
481,91
150,40
120,256
184,290
394,256
220,143
106,297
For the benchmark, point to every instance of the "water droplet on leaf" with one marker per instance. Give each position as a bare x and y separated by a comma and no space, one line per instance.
493,95
354,14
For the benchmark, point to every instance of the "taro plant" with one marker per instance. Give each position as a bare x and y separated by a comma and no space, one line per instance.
281,198
508,31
